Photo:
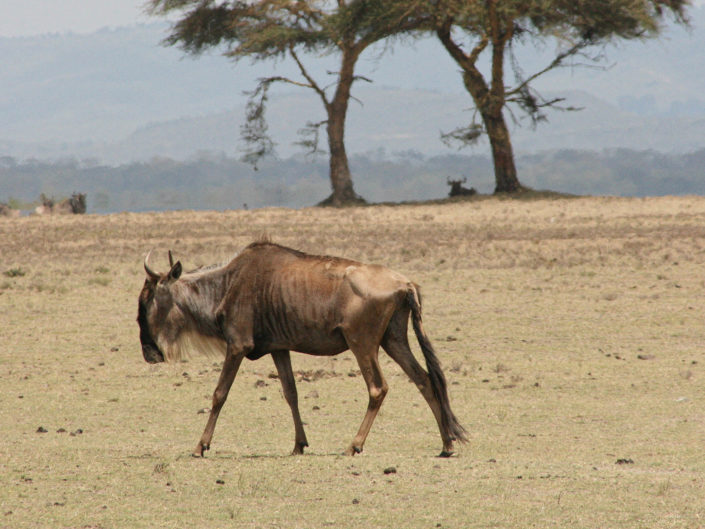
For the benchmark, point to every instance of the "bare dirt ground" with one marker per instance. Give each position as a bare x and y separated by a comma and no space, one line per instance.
571,332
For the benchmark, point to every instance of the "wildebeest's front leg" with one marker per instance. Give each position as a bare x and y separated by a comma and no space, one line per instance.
282,360
227,376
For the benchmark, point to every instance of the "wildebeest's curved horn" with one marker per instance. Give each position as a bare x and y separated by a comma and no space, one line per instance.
171,260
151,273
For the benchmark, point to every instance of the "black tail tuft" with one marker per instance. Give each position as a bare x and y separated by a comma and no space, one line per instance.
438,380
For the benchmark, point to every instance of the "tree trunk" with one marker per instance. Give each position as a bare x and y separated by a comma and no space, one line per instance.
340,178
489,99
505,172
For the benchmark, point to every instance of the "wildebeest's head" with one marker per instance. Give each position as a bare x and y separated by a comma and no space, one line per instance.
157,315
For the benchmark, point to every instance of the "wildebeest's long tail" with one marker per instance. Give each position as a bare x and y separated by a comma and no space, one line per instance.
438,380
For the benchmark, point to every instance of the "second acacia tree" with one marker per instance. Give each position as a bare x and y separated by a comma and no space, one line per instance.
481,35
274,29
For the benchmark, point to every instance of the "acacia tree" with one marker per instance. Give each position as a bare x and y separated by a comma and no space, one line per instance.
273,29
469,28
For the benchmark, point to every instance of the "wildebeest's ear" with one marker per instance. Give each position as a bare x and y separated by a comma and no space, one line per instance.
175,271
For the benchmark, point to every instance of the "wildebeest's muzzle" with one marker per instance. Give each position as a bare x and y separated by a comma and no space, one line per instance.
150,350
152,354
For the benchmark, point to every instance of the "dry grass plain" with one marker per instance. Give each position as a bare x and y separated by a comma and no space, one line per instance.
571,331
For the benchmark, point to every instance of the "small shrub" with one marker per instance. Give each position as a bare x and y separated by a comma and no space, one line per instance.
14,272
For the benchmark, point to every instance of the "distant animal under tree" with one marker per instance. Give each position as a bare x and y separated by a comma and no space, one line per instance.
457,189
270,300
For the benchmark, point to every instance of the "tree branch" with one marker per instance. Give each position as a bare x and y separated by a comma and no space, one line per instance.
312,83
254,130
500,37
478,49
310,136
472,77
555,63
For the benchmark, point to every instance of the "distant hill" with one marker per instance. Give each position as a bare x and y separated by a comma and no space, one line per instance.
389,121
118,96
395,120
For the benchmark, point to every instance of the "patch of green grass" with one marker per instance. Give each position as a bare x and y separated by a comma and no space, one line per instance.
14,272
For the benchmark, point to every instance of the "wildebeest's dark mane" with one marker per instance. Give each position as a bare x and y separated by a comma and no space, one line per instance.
206,268
262,243
292,251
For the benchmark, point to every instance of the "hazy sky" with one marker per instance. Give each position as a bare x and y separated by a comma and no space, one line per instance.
36,17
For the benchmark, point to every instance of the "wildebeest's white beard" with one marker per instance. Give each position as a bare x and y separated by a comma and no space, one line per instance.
191,343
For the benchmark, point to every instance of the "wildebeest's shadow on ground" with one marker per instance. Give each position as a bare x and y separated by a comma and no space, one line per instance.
570,331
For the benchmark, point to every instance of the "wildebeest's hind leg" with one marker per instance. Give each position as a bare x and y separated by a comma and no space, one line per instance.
396,343
282,361
227,376
376,386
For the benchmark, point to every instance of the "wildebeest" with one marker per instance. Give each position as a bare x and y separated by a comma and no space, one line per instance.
457,189
271,300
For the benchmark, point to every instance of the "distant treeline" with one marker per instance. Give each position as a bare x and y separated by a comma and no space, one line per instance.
218,182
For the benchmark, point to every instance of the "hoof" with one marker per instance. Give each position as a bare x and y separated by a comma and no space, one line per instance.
446,453
353,450
299,449
200,450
